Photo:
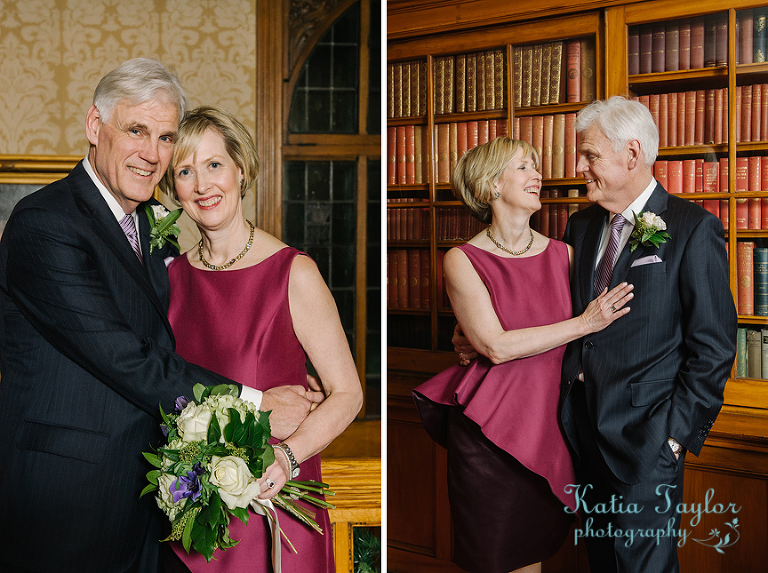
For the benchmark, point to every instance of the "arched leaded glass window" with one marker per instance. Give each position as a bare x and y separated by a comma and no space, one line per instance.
332,175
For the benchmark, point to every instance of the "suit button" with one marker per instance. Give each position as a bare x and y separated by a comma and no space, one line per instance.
589,344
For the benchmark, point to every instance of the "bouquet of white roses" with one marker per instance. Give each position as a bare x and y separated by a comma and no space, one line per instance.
217,448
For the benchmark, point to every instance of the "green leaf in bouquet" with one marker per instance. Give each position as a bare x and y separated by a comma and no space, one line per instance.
214,430
149,488
231,428
204,540
186,536
199,390
153,459
153,476
223,389
241,513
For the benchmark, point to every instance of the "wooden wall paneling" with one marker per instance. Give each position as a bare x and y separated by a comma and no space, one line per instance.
615,32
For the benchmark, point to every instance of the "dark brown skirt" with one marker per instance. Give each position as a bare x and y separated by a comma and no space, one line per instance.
504,515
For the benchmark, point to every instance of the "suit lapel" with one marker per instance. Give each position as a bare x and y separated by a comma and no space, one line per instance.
657,203
105,226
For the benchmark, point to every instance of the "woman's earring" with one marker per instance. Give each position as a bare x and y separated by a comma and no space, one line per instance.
496,195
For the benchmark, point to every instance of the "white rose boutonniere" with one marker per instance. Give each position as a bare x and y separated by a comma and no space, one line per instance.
163,227
650,229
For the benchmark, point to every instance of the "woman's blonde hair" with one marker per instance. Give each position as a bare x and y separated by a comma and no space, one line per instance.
480,167
237,142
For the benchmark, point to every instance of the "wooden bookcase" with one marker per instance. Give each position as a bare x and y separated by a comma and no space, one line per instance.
734,462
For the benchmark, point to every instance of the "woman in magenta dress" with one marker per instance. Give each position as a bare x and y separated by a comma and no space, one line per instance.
247,306
508,464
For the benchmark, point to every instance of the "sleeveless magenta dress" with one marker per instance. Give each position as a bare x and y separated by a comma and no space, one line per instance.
508,463
238,323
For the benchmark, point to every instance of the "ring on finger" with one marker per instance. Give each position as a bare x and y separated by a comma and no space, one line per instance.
613,308
270,484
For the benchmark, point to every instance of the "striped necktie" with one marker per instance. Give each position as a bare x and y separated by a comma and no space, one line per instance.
129,228
605,267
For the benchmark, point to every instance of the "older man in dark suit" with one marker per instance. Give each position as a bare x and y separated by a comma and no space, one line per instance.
639,394
86,348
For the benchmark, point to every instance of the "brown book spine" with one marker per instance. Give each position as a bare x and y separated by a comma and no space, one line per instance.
722,177
753,174
415,74
646,49
398,89
685,45
672,46
711,184
517,75
501,128
588,67
391,90
558,147
658,55
414,273
663,120
661,173
570,145
738,99
538,134
490,81
480,78
562,219
391,155
763,186
633,50
653,106
746,113
710,40
709,117
697,42
690,117
742,184
699,181
492,126
461,139
424,278
744,47
402,278
689,176
500,78
721,40
527,74
757,112
755,209
443,151
410,156
720,132
406,82
681,99
675,176
546,156
418,154
453,146
461,83
442,297
745,273
698,137
401,176
472,134
546,72
573,70
526,129
483,131
471,89
438,84
556,73
672,119
450,84
422,87
536,75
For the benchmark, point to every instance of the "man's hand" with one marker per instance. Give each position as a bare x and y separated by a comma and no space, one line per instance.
463,347
290,405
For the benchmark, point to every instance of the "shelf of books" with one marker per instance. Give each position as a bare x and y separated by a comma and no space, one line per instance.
447,102
704,77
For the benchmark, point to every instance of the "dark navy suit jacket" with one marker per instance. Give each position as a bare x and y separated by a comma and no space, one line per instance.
86,358
660,370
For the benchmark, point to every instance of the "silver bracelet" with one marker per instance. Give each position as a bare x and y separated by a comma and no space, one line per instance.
295,469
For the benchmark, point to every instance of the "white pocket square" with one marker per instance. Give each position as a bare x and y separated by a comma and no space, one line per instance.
647,261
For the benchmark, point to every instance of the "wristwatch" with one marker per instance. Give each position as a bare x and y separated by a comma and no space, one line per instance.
295,469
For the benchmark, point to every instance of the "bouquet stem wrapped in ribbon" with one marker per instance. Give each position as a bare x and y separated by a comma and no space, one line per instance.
217,448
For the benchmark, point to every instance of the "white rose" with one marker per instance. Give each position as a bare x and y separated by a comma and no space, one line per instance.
237,486
193,421
165,497
159,212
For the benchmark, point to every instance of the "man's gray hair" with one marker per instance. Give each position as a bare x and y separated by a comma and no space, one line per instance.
138,81
622,120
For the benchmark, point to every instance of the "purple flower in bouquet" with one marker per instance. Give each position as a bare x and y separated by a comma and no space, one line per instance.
188,485
181,403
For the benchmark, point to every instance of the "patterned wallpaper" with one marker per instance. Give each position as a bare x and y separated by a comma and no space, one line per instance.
53,53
